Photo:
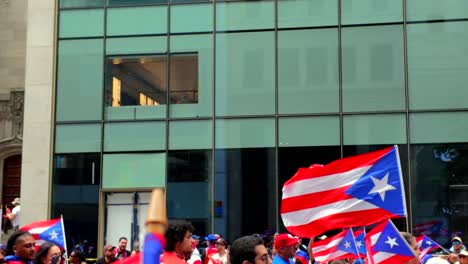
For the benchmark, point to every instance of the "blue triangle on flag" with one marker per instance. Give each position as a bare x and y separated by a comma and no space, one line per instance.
54,234
347,243
360,244
381,185
391,241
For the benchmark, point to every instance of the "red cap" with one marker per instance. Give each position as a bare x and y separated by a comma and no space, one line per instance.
285,240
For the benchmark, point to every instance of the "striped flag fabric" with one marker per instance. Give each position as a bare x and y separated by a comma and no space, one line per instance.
385,245
354,191
426,245
339,246
47,231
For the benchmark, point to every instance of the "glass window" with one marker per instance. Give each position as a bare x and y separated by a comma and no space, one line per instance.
135,2
81,23
75,195
436,10
245,133
308,71
138,136
437,68
191,18
187,180
438,127
81,3
137,20
139,45
245,15
79,80
191,78
374,129
307,13
370,11
191,134
136,170
439,190
373,71
245,66
293,158
78,138
136,87
245,191
309,131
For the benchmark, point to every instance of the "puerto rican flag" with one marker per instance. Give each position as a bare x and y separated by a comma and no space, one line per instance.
340,246
47,231
360,238
426,245
385,245
354,191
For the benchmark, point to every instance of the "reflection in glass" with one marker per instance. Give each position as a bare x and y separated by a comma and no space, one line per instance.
81,3
187,187
439,191
244,191
135,2
75,195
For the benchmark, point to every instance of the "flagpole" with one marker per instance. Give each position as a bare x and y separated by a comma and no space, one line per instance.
64,240
1,221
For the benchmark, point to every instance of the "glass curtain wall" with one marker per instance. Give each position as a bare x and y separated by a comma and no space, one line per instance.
228,98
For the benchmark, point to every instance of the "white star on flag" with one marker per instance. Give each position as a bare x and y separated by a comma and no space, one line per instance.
347,244
381,186
391,242
428,243
358,244
53,235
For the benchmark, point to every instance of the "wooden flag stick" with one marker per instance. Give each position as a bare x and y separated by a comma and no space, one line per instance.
156,219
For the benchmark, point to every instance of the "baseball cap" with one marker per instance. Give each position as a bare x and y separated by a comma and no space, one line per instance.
211,238
464,253
108,247
195,237
285,240
16,201
457,239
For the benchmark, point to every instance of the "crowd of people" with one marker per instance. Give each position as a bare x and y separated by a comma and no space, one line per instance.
182,246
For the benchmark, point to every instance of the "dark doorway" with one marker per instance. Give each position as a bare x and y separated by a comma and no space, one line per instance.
11,179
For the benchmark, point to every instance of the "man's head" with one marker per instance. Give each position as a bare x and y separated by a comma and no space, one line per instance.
286,245
179,238
122,244
108,251
249,250
211,239
21,244
16,201
457,243
463,257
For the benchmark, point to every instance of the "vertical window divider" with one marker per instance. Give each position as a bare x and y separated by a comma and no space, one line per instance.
340,81
211,184
276,180
168,96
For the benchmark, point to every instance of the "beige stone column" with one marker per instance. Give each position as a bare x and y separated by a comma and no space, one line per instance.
37,136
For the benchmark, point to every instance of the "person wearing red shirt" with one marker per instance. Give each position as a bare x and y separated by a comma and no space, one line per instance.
178,243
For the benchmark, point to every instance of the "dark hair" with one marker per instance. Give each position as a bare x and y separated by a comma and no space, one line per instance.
176,233
123,238
222,241
243,248
42,252
408,237
12,240
80,255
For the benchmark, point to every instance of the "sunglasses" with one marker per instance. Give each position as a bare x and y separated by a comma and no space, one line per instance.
456,243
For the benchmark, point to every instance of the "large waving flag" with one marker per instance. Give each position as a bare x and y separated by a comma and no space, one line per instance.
354,191
426,245
385,245
47,231
340,246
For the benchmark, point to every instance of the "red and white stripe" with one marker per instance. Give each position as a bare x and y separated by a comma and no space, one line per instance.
314,199
37,228
326,250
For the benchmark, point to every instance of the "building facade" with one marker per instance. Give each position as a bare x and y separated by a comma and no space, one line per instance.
221,101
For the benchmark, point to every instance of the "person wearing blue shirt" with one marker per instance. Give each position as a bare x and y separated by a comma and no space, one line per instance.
286,246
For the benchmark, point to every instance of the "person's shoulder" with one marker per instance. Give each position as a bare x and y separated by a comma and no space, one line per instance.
100,260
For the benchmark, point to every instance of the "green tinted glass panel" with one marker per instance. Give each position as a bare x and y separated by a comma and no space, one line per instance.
245,133
370,11
81,3
245,66
139,45
192,18
438,127
190,134
308,71
78,138
374,129
373,68
135,2
437,68
137,20
436,9
146,170
307,13
79,80
81,23
135,136
245,15
309,131
201,47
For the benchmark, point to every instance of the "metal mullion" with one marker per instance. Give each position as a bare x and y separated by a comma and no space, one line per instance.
276,180
168,95
213,142
340,81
